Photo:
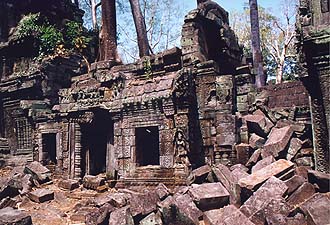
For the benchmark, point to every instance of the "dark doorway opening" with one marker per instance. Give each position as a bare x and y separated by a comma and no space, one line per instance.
95,139
147,146
49,148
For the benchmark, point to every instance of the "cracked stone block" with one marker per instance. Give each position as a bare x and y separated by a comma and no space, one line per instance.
41,195
68,184
303,193
277,141
38,172
255,180
263,163
228,215
294,147
12,216
209,195
316,209
121,216
321,179
93,182
256,141
273,188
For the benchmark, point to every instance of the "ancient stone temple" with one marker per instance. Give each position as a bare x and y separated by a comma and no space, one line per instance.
313,48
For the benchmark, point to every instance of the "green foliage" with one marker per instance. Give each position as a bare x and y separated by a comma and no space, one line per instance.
75,37
29,25
147,67
50,37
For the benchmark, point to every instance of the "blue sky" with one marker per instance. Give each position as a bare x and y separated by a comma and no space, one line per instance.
229,5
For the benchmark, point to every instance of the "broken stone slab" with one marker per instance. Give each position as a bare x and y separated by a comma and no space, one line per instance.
201,173
93,182
152,218
38,172
228,215
254,158
118,200
255,180
257,124
321,179
255,141
273,188
69,184
303,193
238,174
12,216
316,209
296,126
223,175
263,163
143,204
305,161
41,195
121,216
209,195
294,183
100,216
240,167
243,153
277,141
82,213
294,147
162,191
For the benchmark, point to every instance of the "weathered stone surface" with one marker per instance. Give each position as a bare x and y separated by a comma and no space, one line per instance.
256,141
317,209
68,184
41,195
38,172
273,188
152,219
294,182
257,124
305,161
243,152
143,204
294,147
298,219
304,192
239,166
100,216
238,174
12,216
228,215
93,182
162,191
302,171
263,163
121,216
81,214
254,157
278,168
201,173
321,179
115,199
223,175
277,141
209,196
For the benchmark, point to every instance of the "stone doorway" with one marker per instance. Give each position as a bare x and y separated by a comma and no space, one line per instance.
147,146
49,149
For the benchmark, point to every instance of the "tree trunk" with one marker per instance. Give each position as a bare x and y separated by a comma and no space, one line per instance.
108,45
140,27
256,49
93,12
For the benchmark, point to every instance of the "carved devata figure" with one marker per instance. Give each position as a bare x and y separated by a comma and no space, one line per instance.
181,149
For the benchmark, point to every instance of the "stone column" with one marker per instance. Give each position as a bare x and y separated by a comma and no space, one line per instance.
77,150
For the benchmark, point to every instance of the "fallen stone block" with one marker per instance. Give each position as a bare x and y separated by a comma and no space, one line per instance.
121,216
41,195
254,158
93,182
223,175
162,191
68,184
12,216
305,161
228,215
80,215
316,209
263,163
201,173
255,180
243,153
256,141
273,188
118,200
298,219
294,182
240,167
38,172
257,124
209,196
143,204
303,193
296,126
294,147
152,218
238,174
321,179
302,171
277,141
100,216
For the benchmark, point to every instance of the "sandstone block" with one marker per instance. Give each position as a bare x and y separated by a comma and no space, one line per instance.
229,215
319,178
38,172
68,184
256,141
243,153
41,195
201,173
12,216
317,209
294,147
121,216
277,141
93,182
263,163
294,182
303,193
254,158
209,196
162,191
